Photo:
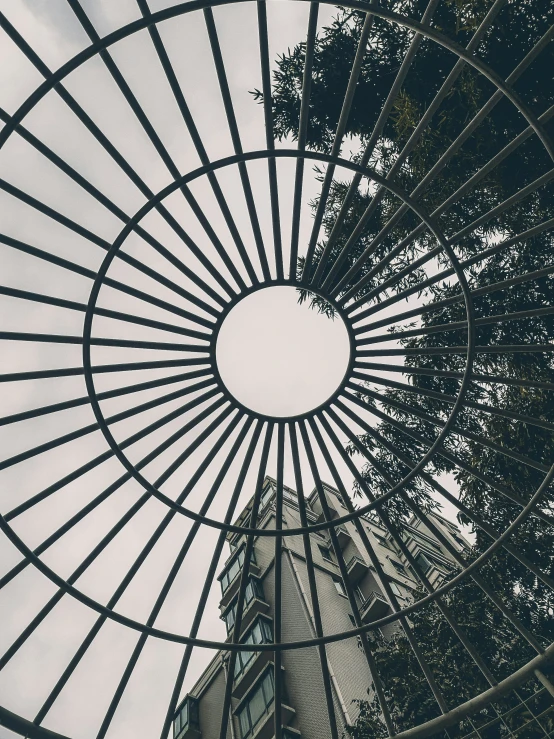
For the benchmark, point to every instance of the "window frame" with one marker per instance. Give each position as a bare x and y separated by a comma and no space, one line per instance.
244,659
254,585
443,567
383,542
340,588
260,685
224,580
190,706
398,566
395,587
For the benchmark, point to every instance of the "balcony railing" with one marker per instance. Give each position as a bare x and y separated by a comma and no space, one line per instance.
356,569
186,723
254,604
343,536
374,606
230,576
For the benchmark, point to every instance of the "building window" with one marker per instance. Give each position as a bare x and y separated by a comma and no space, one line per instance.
187,716
266,497
326,553
290,495
423,562
398,567
383,542
339,585
396,590
233,570
458,541
426,561
257,706
253,590
260,633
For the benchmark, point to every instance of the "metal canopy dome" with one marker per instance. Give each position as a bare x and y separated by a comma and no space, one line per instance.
202,284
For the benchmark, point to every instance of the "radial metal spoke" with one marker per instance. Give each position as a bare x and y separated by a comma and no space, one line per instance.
337,143
375,677
183,668
432,108
397,538
126,390
101,546
454,326
454,459
99,369
302,136
148,128
269,136
315,612
95,341
441,490
516,623
431,372
418,413
108,281
90,428
53,538
103,244
431,350
101,138
477,293
117,315
460,192
476,259
500,412
175,569
485,218
366,156
113,208
383,584
235,137
197,140
422,125
244,575
278,588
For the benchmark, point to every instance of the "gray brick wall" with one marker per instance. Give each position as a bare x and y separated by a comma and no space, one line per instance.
211,707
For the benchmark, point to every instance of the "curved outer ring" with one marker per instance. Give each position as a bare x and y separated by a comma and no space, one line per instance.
250,156
483,698
192,5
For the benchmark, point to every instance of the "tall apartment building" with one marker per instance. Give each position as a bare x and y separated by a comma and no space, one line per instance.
304,708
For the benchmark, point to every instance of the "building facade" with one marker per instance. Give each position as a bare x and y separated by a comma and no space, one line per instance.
304,707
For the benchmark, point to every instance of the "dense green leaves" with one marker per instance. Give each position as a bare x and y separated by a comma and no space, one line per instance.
410,698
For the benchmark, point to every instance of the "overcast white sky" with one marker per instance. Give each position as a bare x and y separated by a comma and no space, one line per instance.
254,338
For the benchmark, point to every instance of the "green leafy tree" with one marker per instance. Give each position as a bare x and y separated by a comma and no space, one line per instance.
408,694
495,460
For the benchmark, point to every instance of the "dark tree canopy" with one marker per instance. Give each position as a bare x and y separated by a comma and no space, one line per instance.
485,447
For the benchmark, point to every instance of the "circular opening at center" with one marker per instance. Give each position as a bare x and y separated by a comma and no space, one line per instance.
279,357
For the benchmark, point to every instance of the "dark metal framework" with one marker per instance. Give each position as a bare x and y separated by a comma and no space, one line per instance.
211,417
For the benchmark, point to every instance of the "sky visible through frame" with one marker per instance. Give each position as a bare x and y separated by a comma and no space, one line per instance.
54,32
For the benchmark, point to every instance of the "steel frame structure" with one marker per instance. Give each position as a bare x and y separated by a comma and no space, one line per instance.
217,416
